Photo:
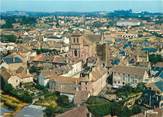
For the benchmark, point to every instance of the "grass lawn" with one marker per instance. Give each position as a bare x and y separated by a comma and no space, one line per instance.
12,102
48,102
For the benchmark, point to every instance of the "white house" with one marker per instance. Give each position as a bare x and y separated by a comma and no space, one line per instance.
123,75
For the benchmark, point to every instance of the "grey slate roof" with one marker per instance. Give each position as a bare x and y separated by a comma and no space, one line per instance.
12,59
159,85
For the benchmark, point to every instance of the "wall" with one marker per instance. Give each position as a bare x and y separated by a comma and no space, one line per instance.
27,79
14,81
77,67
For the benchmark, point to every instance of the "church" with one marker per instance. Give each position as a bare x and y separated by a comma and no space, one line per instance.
81,47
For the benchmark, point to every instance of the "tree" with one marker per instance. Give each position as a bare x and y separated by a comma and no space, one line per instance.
136,109
49,112
34,69
140,87
125,112
2,82
63,100
8,87
155,58
116,108
8,38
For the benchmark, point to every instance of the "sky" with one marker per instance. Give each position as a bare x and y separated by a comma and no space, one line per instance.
81,5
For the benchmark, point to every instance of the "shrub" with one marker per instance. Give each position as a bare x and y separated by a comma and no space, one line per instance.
99,106
63,100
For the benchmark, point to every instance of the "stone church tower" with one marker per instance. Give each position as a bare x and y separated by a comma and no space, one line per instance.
80,47
76,42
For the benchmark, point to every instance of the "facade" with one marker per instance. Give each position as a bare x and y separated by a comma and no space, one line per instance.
75,71
95,81
91,84
153,96
123,75
15,79
104,53
128,23
80,47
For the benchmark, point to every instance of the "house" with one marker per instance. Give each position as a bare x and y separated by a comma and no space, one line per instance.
7,77
12,62
95,81
57,38
123,75
127,23
142,57
15,79
65,85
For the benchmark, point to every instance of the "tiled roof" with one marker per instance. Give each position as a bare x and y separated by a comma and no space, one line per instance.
132,70
62,79
12,59
59,59
76,112
24,75
81,96
39,57
159,85
161,75
97,73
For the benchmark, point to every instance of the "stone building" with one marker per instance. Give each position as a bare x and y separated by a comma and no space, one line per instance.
80,47
104,53
79,89
123,75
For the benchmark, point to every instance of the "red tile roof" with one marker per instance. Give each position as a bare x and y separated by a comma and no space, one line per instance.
76,112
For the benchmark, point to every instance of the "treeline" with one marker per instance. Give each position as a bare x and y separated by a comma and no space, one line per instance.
23,20
8,38
154,58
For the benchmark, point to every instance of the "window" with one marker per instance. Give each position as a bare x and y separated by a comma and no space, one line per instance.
75,53
77,40
73,40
